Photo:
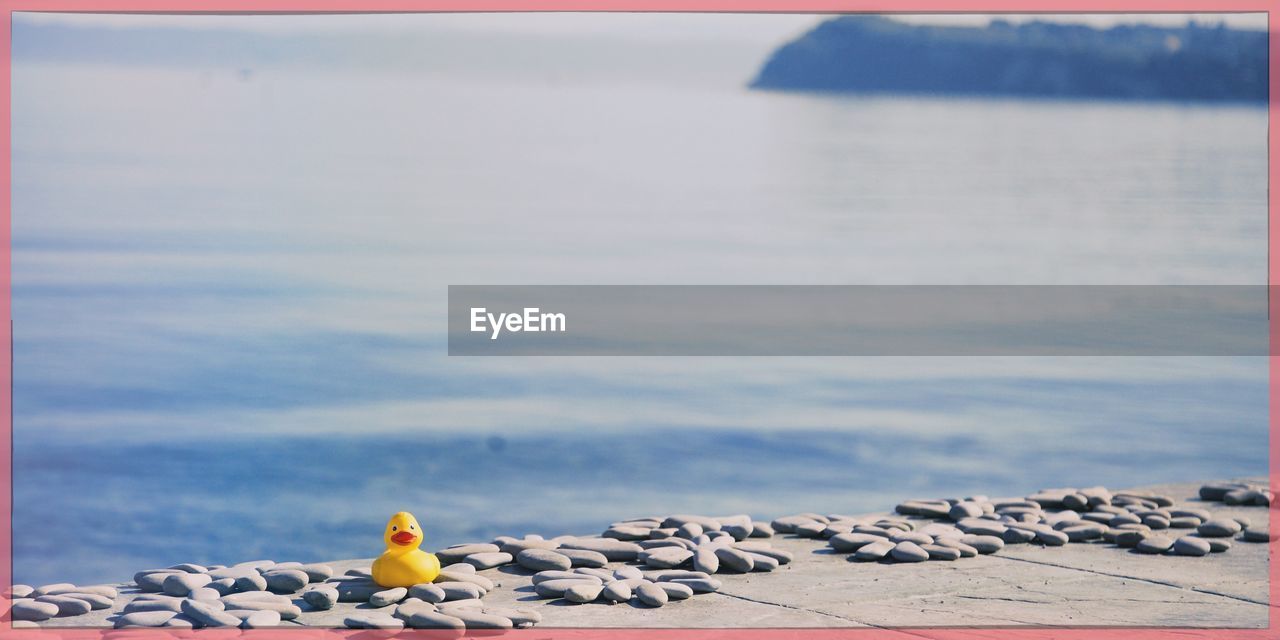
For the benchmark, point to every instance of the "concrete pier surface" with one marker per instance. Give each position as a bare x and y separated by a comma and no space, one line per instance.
1079,584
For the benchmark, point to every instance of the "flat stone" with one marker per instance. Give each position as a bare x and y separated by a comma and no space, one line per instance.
1219,528
152,580
251,582
459,553
139,606
700,585
761,529
544,560
96,601
908,551
983,544
285,608
667,557
388,597
143,619
1191,546
651,594
208,615
614,550
488,560
204,593
260,620
321,599
427,593
734,559
556,588
630,533
583,592
874,551
33,610
1129,539
518,617
372,621
286,580
1154,545
484,584
434,620
679,520
939,552
459,591
53,589
1256,535
20,591
477,619
618,591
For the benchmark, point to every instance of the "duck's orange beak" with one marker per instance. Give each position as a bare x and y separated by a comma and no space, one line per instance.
403,537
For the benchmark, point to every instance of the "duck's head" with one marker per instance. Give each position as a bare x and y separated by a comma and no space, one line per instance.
403,532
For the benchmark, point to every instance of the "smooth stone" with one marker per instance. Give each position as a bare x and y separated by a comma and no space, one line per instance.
543,560
459,591
143,619
631,534
410,606
388,597
738,527
965,550
556,588
1154,545
911,536
788,524
679,520
556,574
260,620
190,567
734,559
761,549
173,606
761,529
700,585
355,591
366,572
874,551
372,621
811,529
614,550
668,557
222,586
96,601
1186,522
458,567
871,530
285,608
1191,546
286,580
434,620
1156,522
1256,535
1083,532
53,589
317,572
477,619
258,596
659,534
427,593
518,617
1018,536
459,553
1124,518
458,605
651,594
482,583
908,551
762,563
706,560
617,591
514,547
208,615
1189,512
1219,528
204,593
152,581
1218,545
1216,491
939,552
35,610
488,560
321,599
251,582
1130,538
20,591
181,584
983,544
583,592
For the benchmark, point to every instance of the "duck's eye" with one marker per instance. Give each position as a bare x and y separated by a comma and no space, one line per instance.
393,528
411,527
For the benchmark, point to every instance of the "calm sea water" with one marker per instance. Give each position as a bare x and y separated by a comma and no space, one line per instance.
229,293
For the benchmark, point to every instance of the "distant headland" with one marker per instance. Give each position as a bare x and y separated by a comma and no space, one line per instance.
873,54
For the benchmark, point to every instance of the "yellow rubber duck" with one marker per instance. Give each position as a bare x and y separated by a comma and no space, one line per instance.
403,564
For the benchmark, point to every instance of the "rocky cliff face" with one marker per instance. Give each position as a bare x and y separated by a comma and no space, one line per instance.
872,54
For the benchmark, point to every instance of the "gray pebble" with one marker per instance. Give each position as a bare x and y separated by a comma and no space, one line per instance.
651,594
372,621
286,580
321,599
434,620
734,559
760,549
482,583
762,563
1188,512
874,551
1191,546
614,550
152,580
583,558
626,573
1154,545
427,593
143,619
1130,538
478,619
761,530
738,527
676,590
96,601
514,547
707,524
317,572
543,560
190,568
583,592
33,610
20,591
1083,532
939,552
459,591
1186,522
355,591
204,593
1256,535
667,557
388,597
260,620
285,608
983,544
556,588
706,560
518,617
173,606
630,534
1156,521
53,589
251,582
700,585
1018,536
907,551
1218,545
965,550
488,560
1219,528
459,553
617,591
543,576
208,615
458,567
180,584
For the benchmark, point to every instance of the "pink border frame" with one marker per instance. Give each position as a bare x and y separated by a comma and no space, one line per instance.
7,7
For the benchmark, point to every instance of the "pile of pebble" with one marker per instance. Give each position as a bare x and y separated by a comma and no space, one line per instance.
665,559
967,527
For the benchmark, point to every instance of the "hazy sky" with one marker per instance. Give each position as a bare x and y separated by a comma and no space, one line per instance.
761,28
